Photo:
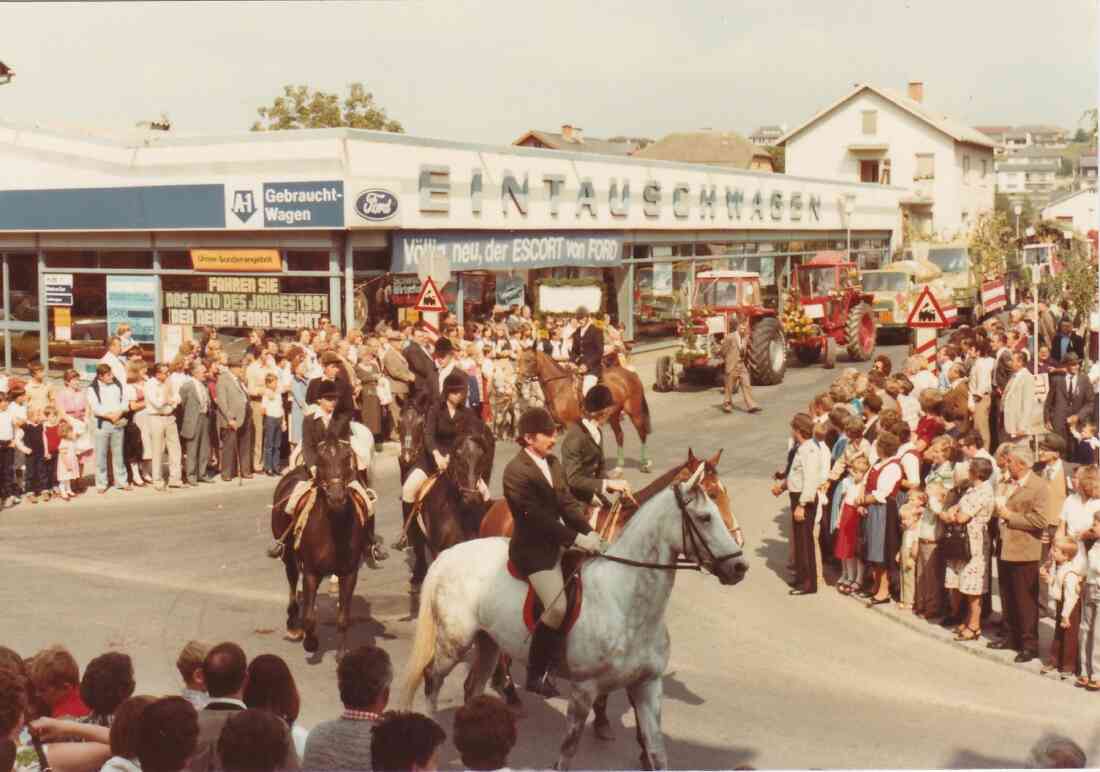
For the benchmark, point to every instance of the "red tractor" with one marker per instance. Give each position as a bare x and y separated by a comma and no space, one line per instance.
828,310
719,297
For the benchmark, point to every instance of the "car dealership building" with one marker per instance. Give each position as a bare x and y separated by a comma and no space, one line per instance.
277,230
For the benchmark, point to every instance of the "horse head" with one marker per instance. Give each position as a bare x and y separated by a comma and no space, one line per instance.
471,461
715,489
704,535
335,468
412,432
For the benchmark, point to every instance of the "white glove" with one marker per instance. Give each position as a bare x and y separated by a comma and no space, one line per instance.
589,542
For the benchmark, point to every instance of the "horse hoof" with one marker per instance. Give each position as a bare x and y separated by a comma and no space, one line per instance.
311,644
603,731
647,467
294,635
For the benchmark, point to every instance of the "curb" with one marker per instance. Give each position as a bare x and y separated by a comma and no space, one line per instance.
1003,657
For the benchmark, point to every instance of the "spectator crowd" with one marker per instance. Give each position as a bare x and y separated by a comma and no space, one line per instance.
236,408
921,487
231,714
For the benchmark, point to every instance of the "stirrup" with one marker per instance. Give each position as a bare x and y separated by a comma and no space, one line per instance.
276,549
401,544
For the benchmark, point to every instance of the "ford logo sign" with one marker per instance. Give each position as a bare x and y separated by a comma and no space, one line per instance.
376,205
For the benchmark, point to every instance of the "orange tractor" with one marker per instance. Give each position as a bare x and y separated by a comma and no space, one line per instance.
827,310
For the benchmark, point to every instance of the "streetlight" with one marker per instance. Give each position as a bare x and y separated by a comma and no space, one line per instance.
849,210
1018,208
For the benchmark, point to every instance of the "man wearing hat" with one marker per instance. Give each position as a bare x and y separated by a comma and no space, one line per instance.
587,349
420,361
1070,400
332,374
582,457
234,424
396,368
548,519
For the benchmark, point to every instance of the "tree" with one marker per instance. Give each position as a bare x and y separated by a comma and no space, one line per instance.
991,241
1089,119
303,108
1075,285
1081,136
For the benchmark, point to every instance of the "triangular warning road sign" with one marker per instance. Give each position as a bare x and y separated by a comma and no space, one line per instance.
927,311
430,298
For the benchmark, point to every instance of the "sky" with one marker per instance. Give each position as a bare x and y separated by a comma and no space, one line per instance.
484,71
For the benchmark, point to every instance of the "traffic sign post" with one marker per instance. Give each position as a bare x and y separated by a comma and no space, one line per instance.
926,318
430,303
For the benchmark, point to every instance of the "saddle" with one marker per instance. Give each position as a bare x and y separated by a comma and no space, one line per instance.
571,564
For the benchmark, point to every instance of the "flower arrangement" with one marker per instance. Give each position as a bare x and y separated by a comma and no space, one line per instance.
794,320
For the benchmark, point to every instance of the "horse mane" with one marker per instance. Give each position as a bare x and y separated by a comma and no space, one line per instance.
658,485
540,356
339,428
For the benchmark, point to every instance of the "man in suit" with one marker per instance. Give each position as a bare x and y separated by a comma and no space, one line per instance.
426,374
234,424
161,400
396,367
1018,401
1002,374
733,354
1022,516
226,673
195,426
548,519
1066,342
1070,400
582,452
588,349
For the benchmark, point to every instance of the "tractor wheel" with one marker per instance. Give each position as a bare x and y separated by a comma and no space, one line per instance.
807,355
830,353
666,380
767,352
860,333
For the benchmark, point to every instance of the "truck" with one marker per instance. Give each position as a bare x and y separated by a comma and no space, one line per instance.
895,288
718,300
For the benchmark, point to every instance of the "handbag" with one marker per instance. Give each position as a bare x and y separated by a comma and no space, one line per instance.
955,542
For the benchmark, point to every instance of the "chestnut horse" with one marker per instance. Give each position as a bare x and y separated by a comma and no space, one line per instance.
498,522
562,396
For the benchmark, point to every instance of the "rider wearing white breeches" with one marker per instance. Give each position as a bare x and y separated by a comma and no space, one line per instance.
547,519
587,351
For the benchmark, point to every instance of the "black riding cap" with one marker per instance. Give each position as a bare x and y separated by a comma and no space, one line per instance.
537,420
598,398
328,390
443,347
456,380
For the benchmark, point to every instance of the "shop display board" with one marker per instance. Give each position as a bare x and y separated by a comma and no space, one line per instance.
132,300
246,301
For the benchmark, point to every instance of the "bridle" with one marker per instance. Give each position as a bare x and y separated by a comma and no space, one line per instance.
690,535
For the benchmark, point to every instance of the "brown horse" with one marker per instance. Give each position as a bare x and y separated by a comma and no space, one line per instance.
563,396
332,541
498,521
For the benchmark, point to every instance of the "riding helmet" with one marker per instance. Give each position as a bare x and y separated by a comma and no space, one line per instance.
456,380
536,420
328,390
443,347
598,398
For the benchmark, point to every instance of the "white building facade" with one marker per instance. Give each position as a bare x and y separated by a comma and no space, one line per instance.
1076,209
876,135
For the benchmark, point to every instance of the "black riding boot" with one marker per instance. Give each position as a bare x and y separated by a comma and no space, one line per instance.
418,544
373,551
402,542
546,647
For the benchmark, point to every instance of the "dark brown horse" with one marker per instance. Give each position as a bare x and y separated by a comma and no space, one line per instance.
563,396
332,541
498,521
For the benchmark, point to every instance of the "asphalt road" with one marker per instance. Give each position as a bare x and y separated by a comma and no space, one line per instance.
756,678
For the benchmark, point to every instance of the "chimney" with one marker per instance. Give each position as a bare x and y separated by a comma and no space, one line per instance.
916,90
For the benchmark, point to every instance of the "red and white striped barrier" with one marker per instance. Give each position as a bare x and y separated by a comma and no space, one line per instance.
994,297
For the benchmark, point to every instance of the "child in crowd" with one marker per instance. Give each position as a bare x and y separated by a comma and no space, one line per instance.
931,423
910,405
1088,448
18,411
274,416
189,665
1064,588
8,491
846,545
51,429
1088,650
68,466
910,514
34,446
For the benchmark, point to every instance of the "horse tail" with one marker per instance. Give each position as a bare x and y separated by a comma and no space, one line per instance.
647,424
423,648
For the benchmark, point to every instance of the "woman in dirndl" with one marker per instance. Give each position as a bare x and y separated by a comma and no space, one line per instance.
881,531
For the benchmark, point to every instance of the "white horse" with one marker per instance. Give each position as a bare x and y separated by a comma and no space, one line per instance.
619,641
